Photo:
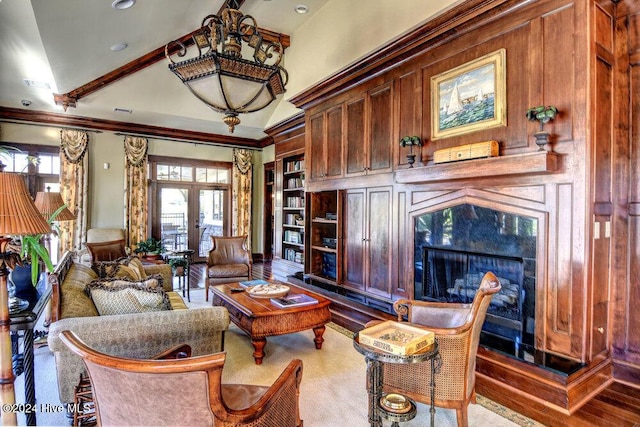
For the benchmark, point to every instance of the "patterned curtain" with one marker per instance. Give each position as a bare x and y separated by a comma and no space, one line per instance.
135,189
74,187
241,200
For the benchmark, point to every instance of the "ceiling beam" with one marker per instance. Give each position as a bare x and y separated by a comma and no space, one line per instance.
71,98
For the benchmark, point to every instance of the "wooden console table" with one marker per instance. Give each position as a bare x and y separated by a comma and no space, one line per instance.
259,318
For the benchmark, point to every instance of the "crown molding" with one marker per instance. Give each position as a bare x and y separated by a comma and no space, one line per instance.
16,115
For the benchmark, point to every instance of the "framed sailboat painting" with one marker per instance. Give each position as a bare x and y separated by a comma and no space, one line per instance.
470,97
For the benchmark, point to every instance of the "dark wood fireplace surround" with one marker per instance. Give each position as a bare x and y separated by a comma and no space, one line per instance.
581,56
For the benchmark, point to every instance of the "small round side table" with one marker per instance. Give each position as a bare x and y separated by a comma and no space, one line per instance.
375,359
187,254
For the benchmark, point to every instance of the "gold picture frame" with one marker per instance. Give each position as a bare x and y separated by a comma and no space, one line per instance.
470,97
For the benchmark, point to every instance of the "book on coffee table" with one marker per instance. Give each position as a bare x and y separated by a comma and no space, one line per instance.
294,300
256,282
396,338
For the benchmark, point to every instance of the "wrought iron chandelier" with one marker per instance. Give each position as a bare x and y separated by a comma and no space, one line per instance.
236,71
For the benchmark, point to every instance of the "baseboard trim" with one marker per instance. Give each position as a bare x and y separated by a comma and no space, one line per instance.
536,393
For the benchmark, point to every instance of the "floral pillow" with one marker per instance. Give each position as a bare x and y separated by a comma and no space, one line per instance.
125,267
120,296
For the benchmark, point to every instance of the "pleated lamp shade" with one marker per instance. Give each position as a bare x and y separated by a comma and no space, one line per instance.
48,202
18,214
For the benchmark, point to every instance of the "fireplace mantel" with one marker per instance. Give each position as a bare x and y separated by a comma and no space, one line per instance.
538,162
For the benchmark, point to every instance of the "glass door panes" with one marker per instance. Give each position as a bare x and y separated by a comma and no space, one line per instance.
212,217
174,214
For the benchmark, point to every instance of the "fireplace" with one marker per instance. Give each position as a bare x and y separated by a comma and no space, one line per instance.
455,246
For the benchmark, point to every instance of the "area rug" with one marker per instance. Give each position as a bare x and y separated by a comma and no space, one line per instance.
333,389
503,411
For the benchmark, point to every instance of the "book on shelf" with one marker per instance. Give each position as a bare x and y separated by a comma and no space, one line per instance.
294,165
256,282
294,300
292,236
397,337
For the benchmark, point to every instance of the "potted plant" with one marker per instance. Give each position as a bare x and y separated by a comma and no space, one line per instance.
410,141
178,265
543,114
150,248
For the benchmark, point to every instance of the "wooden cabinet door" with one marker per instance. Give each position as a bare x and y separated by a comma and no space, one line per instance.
369,132
324,144
315,147
381,140
333,143
353,237
378,241
366,235
355,147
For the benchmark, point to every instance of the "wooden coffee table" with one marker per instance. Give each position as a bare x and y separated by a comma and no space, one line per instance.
260,319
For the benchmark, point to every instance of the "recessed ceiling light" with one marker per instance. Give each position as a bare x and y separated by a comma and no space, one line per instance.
122,4
301,8
119,46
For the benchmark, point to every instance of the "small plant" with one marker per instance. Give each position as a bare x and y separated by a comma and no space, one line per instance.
150,246
177,262
543,114
410,141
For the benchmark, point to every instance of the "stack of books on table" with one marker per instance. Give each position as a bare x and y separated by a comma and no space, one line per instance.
397,338
294,300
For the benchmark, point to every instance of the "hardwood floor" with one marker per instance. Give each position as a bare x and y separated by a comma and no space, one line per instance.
617,405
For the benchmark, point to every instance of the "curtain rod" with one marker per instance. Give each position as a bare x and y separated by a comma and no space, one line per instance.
21,122
186,141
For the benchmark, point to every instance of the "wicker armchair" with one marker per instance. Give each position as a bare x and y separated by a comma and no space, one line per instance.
457,328
134,392
229,261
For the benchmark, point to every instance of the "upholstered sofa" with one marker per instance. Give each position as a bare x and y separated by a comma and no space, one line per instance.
134,335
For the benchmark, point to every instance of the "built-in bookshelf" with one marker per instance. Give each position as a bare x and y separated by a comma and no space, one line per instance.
324,247
293,210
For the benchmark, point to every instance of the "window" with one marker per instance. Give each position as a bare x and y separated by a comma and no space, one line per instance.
39,163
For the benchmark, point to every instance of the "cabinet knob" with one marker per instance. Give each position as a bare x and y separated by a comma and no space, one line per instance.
601,330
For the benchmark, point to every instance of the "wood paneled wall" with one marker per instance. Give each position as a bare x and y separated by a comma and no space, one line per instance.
626,193
582,56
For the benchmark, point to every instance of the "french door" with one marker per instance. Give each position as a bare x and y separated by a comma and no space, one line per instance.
189,214
189,202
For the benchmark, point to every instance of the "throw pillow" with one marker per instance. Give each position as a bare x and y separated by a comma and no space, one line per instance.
115,269
107,251
118,296
135,263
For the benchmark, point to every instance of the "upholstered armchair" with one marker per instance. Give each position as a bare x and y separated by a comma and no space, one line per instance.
457,330
229,261
134,392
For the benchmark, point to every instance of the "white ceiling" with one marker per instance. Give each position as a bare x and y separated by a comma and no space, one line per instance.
66,43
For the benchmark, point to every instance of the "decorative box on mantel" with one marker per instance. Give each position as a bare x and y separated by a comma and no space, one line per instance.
538,162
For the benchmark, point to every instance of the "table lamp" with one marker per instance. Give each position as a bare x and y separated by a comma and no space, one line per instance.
18,216
48,203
